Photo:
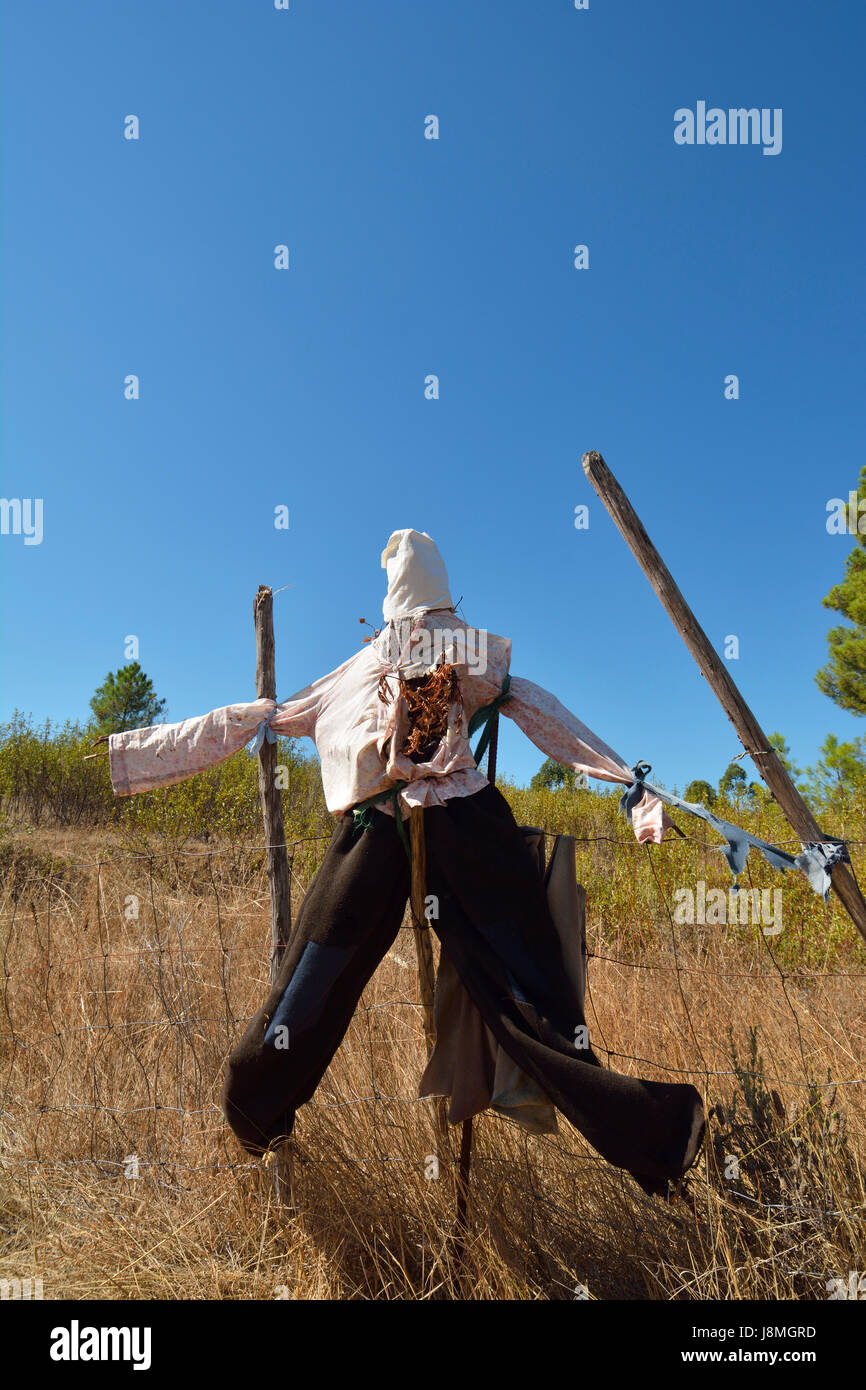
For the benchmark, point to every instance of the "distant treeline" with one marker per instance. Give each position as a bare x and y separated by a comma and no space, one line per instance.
46,787
47,780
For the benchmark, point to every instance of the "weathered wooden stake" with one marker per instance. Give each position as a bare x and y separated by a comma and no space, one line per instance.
275,839
752,737
424,955
463,1170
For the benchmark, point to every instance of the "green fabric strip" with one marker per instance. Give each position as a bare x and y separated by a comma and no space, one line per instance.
485,716
364,820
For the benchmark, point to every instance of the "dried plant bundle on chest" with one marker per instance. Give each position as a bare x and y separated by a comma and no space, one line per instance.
428,702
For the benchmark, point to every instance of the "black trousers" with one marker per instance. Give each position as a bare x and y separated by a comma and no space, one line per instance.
494,922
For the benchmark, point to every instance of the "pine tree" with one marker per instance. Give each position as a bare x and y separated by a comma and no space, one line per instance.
778,743
844,676
126,700
552,775
700,792
732,781
839,777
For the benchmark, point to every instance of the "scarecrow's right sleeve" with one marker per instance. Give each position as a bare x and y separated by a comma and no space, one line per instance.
142,759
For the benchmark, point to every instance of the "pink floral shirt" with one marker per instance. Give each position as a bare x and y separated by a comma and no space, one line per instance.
358,737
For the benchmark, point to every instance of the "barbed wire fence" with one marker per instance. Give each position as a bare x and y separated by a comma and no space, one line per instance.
169,978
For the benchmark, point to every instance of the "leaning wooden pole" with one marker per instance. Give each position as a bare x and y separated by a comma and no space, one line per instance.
275,839
751,735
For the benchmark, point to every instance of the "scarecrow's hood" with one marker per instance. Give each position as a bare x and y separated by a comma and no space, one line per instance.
417,578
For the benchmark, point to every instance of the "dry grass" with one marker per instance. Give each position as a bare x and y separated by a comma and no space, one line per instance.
116,1031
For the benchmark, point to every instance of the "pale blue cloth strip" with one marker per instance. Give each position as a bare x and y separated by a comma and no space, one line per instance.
264,731
815,860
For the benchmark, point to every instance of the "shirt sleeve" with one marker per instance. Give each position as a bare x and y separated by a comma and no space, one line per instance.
143,759
559,734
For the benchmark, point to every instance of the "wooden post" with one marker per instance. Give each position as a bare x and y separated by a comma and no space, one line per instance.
424,955
275,839
420,927
752,737
463,1170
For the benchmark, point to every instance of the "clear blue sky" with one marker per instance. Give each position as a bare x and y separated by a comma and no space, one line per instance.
411,256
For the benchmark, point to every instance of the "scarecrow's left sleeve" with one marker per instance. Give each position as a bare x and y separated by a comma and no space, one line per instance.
559,734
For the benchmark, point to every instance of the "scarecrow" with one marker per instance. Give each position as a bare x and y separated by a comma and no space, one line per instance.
392,727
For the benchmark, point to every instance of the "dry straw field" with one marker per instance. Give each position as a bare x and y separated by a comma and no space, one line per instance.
131,959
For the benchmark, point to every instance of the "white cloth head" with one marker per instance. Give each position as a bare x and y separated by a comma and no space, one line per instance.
417,578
